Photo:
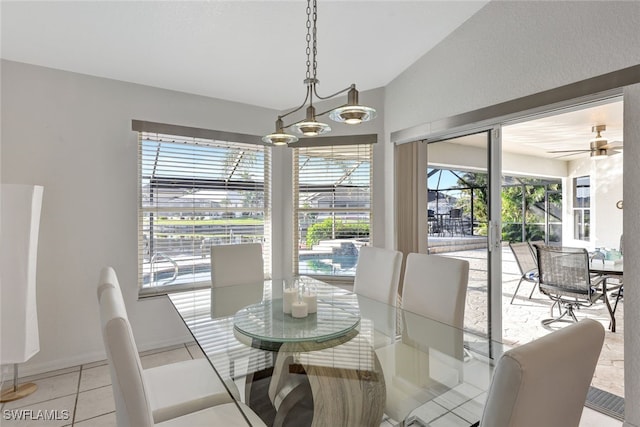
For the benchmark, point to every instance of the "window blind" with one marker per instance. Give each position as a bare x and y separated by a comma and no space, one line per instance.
195,193
332,207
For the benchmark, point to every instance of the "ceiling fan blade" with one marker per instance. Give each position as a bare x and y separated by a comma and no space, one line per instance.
613,145
567,154
569,151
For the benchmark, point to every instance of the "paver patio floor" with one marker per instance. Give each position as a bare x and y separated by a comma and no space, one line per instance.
521,320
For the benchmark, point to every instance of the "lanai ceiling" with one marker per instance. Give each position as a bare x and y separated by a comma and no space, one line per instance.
568,130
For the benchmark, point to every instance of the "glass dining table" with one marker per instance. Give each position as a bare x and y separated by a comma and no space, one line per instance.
354,362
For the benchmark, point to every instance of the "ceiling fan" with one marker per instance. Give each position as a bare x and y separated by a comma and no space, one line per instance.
599,147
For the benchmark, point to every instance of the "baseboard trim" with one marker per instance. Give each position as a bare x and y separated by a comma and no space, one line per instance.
30,369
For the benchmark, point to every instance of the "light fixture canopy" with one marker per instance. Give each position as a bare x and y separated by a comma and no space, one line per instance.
351,113
598,145
310,126
279,137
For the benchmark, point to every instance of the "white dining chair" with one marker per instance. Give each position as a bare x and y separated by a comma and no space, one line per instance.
236,265
545,382
147,396
430,351
376,285
378,274
435,286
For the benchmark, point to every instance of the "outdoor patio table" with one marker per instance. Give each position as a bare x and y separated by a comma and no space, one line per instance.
604,268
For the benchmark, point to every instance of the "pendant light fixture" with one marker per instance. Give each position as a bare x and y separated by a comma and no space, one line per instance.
350,113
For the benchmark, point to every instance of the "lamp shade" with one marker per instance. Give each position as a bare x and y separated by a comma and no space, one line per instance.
19,227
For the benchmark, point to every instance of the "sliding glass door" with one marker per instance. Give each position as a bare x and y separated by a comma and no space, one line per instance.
460,221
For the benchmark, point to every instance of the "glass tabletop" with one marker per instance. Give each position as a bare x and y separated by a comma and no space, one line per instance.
267,325
374,360
606,267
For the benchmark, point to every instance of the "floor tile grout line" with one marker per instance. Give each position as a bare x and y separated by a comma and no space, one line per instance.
96,416
49,374
75,404
41,401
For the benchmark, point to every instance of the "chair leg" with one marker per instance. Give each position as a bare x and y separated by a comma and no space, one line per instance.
516,291
618,296
535,285
612,323
559,308
568,310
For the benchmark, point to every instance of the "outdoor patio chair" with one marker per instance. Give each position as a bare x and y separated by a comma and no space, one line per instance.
455,222
432,222
565,279
526,260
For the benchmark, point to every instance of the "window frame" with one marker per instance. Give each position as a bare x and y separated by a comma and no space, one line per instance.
337,143
216,140
581,214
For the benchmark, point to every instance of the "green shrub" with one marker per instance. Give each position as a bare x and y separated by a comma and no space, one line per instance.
344,230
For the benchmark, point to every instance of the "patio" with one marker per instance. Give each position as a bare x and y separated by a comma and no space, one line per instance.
521,320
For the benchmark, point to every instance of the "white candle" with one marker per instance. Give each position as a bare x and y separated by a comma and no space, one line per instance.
299,309
289,295
312,301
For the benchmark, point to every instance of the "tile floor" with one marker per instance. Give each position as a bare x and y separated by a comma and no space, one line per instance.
82,396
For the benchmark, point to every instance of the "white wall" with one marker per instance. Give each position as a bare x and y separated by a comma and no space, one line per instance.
519,164
632,252
606,190
513,49
506,51
72,134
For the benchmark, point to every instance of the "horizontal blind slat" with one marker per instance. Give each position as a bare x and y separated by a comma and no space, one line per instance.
332,207
194,193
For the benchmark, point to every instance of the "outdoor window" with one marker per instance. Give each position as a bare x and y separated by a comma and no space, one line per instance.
456,202
332,207
531,209
195,193
581,205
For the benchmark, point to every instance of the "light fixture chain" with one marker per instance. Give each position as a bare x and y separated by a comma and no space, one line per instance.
351,113
315,39
309,39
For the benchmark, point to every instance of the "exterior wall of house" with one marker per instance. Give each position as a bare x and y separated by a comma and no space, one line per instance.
513,49
606,189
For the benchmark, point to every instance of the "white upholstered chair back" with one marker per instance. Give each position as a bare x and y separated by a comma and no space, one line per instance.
240,264
132,406
237,277
378,274
436,287
545,382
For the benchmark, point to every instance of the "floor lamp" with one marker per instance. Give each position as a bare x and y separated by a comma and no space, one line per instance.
19,227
